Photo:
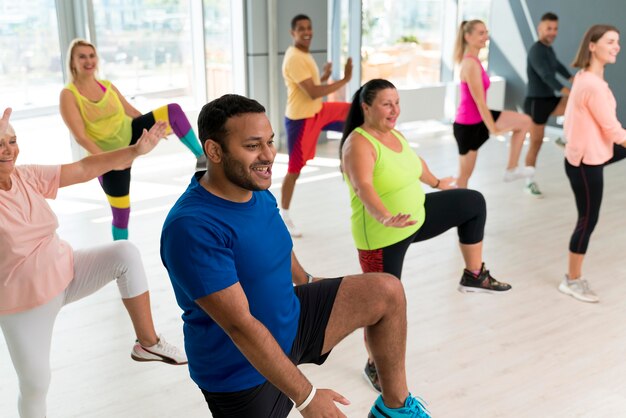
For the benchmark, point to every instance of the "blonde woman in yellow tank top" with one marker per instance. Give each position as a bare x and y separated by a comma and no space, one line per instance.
101,119
390,210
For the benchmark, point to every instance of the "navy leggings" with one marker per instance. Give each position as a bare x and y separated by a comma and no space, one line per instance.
587,183
462,208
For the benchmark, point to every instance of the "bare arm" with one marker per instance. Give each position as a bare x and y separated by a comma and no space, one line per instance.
471,74
328,69
315,91
433,181
74,122
229,309
128,108
95,165
358,162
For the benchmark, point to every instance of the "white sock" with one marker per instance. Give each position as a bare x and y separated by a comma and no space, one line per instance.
285,213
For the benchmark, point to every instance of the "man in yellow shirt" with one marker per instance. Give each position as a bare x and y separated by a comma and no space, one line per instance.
306,115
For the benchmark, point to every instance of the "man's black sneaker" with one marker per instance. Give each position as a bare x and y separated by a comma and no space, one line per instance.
371,376
483,283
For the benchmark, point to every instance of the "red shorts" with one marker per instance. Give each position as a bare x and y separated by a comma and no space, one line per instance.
302,134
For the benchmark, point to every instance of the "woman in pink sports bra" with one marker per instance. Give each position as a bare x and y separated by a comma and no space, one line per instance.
474,122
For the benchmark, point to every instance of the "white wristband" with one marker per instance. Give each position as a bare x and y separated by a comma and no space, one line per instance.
308,400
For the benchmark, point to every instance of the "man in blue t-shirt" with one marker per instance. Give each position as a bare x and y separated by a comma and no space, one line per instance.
229,257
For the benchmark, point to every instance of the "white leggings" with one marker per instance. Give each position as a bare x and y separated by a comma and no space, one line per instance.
28,334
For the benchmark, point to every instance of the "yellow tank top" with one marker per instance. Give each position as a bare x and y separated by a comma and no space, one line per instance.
106,123
396,179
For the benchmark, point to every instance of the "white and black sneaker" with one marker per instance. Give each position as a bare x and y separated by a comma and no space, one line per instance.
161,351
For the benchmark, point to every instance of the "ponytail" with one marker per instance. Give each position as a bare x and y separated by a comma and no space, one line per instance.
466,27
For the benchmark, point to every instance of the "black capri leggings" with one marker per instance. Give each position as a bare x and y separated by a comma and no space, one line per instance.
587,183
463,208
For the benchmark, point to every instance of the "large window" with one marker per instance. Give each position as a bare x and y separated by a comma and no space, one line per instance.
401,41
30,64
145,45
218,46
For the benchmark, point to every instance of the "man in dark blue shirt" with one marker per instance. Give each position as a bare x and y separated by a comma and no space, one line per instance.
541,99
229,257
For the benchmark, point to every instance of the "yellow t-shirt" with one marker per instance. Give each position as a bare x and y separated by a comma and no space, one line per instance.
297,67
106,123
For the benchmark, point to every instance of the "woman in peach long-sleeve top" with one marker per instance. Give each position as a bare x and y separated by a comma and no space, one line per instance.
595,138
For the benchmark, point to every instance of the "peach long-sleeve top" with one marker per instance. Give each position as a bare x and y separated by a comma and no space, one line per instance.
591,125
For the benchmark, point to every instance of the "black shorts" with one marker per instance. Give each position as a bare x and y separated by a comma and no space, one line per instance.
540,108
265,400
471,137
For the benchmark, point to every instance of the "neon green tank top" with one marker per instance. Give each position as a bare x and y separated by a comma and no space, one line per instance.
396,179
106,123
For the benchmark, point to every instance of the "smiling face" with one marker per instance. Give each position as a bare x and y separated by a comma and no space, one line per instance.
384,111
8,153
478,36
604,50
547,31
84,61
249,152
302,34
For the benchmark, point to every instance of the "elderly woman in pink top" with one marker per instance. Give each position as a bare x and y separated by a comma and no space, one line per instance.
39,273
474,122
595,138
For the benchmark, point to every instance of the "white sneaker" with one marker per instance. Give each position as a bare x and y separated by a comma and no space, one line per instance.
532,189
161,351
518,173
291,227
579,289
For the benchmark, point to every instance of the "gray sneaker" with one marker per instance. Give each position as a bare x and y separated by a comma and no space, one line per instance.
578,289
560,142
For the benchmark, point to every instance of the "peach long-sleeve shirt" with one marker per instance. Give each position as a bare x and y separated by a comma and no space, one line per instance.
591,125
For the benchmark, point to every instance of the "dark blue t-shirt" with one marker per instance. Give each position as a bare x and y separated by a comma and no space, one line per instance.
209,244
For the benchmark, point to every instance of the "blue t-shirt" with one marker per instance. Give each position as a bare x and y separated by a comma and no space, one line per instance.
209,244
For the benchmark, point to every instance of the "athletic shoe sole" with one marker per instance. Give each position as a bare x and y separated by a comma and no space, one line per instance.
468,289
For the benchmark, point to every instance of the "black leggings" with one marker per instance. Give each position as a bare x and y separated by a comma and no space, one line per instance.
587,183
463,208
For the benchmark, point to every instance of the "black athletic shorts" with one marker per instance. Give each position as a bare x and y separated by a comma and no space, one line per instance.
540,108
265,400
471,137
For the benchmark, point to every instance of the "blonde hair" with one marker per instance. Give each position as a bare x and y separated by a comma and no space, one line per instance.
71,71
593,35
466,27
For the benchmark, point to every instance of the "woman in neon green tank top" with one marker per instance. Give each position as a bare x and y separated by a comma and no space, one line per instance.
390,210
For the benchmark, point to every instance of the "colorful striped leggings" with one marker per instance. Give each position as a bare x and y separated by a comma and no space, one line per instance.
116,184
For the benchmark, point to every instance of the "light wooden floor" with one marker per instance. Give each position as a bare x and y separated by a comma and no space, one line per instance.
530,353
